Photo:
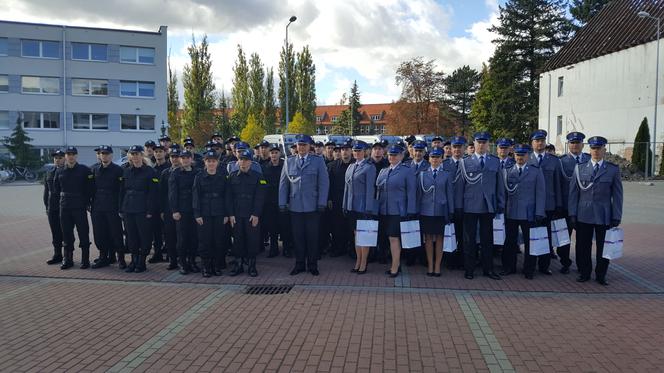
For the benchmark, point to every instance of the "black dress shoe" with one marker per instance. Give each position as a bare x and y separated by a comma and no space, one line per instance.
430,274
354,270
529,276
546,272
314,272
469,275
361,272
582,279
564,270
436,274
54,260
296,271
392,275
602,281
492,275
507,273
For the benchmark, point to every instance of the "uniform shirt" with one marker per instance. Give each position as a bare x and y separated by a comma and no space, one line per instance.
303,185
245,194
160,168
74,185
525,192
435,196
480,194
552,171
139,193
395,189
596,199
337,173
209,194
107,185
359,188
51,198
180,190
568,163
507,162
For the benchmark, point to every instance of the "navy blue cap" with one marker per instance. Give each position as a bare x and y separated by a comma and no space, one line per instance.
164,138
437,138
482,136
330,143
419,145
409,139
97,149
186,153
504,142
447,143
257,146
241,145
209,144
216,134
575,137
522,149
378,143
264,143
347,144
293,145
360,145
246,154
135,149
159,146
274,147
597,141
436,152
304,139
105,149
210,154
232,139
538,135
188,143
175,146
458,140
395,149
401,144
149,143
175,152
71,150
58,153
319,144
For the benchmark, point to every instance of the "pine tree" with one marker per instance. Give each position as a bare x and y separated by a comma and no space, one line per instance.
270,107
18,143
240,93
198,82
223,121
252,133
256,88
300,124
584,10
287,69
173,105
460,90
642,147
305,84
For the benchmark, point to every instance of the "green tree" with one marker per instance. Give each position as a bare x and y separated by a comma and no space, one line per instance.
305,84
270,117
198,82
252,133
300,124
460,89
584,10
642,147
661,163
223,123
18,143
173,105
421,88
240,93
256,88
287,69
348,122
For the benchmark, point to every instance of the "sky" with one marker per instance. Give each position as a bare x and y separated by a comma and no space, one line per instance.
362,40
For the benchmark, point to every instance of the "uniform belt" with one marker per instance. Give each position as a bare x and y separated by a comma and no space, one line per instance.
65,194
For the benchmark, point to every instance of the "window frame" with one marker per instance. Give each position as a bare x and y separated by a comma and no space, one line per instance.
561,85
7,77
137,118
559,125
41,89
89,45
89,81
8,124
41,121
41,49
90,126
6,40
137,84
375,117
136,60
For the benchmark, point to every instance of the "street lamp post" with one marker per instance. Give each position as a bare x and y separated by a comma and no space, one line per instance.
644,14
291,20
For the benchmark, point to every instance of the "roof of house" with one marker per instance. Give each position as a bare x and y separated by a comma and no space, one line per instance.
614,28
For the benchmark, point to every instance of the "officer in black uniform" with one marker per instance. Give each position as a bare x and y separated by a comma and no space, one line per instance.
341,236
197,159
106,224
138,203
161,163
209,193
170,234
74,183
52,204
245,197
272,222
148,150
180,197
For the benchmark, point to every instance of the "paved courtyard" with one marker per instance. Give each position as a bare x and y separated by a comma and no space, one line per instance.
106,320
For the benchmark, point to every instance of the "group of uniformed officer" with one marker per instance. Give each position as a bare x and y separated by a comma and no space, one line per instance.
231,200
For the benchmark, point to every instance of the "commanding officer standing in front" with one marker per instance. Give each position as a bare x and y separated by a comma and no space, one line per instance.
303,189
480,194
74,183
180,198
595,205
52,204
568,162
106,224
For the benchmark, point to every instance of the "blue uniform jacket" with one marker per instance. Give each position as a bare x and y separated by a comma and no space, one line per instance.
435,197
507,162
396,191
234,166
304,188
596,200
359,189
480,195
525,193
551,169
568,163
424,164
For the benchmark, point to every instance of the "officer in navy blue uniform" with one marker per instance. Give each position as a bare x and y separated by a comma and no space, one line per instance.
303,189
504,147
52,205
74,183
170,230
418,163
106,223
231,166
138,203
341,238
595,205
274,221
379,160
480,194
180,189
550,166
574,156
524,185
397,201
451,165
209,205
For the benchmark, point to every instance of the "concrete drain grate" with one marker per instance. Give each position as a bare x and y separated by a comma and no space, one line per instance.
268,289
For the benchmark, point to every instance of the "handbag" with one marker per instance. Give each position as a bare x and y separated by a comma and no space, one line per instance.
613,243
366,233
539,241
410,234
449,239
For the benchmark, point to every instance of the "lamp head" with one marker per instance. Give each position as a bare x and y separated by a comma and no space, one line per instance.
292,19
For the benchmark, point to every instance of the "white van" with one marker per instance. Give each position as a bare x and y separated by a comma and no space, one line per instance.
284,141
372,139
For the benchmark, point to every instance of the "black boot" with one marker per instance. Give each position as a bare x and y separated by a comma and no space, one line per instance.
102,262
140,266
111,257
192,264
221,263
172,264
236,268
252,267
207,267
85,258
157,257
217,266
184,266
132,265
67,260
121,262
57,256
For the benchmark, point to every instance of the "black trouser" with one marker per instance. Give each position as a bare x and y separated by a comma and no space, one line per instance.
186,232
584,244
246,238
486,240
305,236
56,230
286,231
324,230
457,258
211,238
512,246
170,237
107,230
341,236
544,261
270,222
70,218
563,251
157,235
139,233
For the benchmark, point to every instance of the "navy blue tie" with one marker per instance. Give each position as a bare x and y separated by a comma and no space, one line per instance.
578,159
482,162
435,173
540,159
595,169
520,169
502,163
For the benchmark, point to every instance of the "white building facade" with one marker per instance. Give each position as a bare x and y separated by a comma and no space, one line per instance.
83,87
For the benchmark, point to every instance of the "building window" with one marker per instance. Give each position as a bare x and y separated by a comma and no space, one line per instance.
40,85
40,49
3,46
89,52
89,87
137,122
318,118
137,55
559,123
86,121
375,117
4,120
4,84
33,119
560,86
335,118
136,89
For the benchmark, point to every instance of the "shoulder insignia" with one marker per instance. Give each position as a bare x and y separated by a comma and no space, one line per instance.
263,182
91,176
155,180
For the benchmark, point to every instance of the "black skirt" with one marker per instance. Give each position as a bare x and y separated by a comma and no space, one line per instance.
432,225
390,225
